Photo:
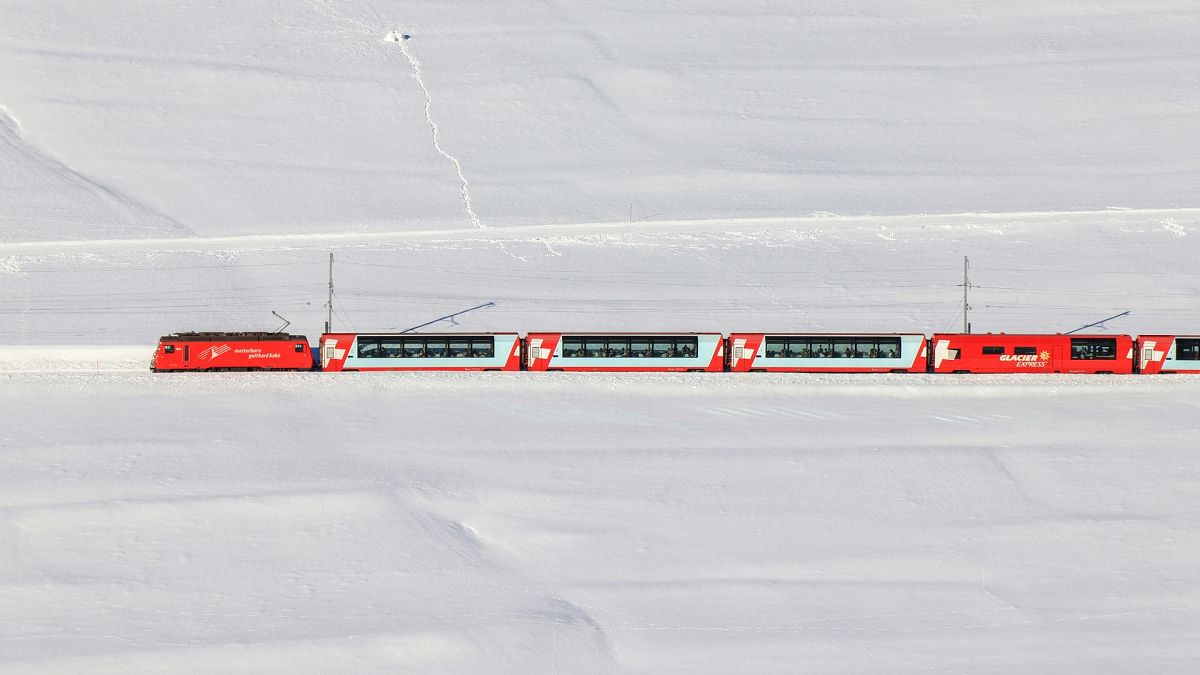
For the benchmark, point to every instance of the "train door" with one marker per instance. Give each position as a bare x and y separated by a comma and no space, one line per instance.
187,354
1056,359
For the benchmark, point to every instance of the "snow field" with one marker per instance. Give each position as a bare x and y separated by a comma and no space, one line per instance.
733,166
523,522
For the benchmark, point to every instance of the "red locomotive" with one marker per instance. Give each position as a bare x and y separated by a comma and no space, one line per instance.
231,352
1007,353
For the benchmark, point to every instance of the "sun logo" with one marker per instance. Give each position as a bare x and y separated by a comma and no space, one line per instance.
1045,356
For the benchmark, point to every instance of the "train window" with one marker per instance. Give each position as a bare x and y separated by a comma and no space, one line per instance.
616,347
368,348
1187,349
686,347
594,348
630,347
889,348
299,348
862,347
483,348
390,349
799,348
662,348
572,347
1025,351
776,348
993,350
1094,349
460,348
168,349
843,348
436,349
821,348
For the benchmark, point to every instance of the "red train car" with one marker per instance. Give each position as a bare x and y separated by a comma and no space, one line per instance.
420,351
626,352
1169,353
1005,353
827,353
231,351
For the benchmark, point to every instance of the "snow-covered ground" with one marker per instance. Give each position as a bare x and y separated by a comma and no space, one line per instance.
569,523
807,166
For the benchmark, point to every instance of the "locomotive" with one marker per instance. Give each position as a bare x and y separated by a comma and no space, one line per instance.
682,352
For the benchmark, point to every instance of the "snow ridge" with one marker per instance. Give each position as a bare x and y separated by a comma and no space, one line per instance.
400,38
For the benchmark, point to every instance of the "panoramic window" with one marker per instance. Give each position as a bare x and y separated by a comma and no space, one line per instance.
822,347
614,347
460,348
418,348
436,349
1187,349
483,348
368,348
776,348
412,348
572,347
640,347
1087,349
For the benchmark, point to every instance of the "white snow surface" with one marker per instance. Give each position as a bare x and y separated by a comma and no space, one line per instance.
775,166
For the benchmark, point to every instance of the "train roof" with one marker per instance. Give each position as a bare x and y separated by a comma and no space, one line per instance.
619,333
386,334
247,336
1010,336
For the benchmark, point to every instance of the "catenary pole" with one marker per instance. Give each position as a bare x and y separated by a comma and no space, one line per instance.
966,307
329,301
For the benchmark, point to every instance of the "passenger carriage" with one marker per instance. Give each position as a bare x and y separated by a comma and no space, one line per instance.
626,352
1169,353
827,353
1005,353
420,351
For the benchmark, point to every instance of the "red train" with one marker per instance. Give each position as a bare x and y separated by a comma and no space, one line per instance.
625,352
232,351
420,351
827,353
1012,353
683,352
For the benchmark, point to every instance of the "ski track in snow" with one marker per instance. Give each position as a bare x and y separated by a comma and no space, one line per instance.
399,38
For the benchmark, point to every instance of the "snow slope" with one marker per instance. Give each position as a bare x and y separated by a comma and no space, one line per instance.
222,118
